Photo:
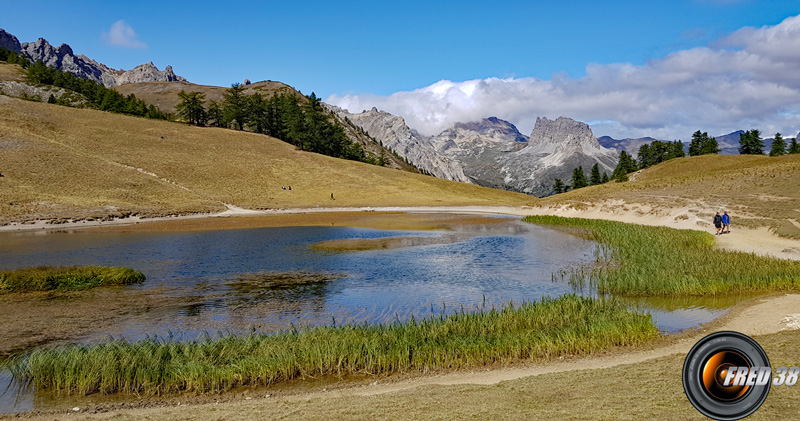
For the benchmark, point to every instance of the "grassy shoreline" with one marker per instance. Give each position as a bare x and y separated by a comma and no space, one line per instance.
638,260
65,278
552,327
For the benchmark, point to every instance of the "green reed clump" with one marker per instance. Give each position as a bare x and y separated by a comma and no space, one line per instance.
644,260
552,327
67,278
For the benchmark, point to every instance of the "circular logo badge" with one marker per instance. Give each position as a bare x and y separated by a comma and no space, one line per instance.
727,376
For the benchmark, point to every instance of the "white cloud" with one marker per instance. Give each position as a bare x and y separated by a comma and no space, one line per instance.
122,35
749,79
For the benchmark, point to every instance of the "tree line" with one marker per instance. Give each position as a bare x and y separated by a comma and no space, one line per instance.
95,94
283,116
656,152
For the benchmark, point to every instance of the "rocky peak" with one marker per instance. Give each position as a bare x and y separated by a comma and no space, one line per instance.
148,72
392,132
493,128
64,58
9,42
562,133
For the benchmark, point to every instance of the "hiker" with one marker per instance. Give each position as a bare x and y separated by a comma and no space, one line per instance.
718,223
332,196
290,187
726,223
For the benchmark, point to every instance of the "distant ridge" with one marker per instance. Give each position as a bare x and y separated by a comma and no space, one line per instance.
62,57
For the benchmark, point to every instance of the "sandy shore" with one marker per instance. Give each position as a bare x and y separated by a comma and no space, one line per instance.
760,241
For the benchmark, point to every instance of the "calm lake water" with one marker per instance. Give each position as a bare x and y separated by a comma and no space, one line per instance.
478,267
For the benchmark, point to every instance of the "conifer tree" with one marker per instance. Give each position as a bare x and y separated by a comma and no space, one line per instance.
778,146
750,143
579,179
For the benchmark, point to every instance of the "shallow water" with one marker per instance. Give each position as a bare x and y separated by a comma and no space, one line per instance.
194,279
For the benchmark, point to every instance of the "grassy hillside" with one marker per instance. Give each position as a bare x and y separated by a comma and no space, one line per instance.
164,95
60,162
760,191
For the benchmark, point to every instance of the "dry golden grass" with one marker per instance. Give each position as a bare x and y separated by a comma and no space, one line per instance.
760,191
61,162
11,73
164,95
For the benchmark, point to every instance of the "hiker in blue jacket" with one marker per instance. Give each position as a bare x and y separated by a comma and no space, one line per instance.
726,223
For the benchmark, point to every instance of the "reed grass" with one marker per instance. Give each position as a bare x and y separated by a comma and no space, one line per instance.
643,260
66,278
552,327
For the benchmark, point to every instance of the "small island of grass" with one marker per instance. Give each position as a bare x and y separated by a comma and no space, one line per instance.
66,278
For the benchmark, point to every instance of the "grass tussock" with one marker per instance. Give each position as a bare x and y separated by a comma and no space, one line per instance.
70,278
549,328
643,260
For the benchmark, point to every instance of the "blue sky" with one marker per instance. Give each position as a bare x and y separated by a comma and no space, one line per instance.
342,49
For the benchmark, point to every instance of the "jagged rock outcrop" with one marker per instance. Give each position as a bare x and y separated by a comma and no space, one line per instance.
148,72
9,42
555,149
481,147
393,133
62,57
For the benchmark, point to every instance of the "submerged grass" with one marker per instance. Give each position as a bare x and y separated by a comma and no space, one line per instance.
643,260
66,278
548,328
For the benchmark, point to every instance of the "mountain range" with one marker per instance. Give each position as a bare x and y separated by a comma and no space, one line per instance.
492,152
62,57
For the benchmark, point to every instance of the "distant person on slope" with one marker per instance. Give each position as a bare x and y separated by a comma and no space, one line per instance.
718,223
726,223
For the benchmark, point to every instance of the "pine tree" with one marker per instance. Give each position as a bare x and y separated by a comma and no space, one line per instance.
625,166
214,115
676,149
702,144
596,178
750,143
579,179
696,144
190,107
646,157
605,177
559,186
235,108
794,147
778,146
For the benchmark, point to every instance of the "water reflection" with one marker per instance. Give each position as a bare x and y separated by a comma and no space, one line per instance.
236,281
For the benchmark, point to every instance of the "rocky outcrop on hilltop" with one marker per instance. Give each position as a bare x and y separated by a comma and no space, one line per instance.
9,42
555,149
393,133
62,57
148,72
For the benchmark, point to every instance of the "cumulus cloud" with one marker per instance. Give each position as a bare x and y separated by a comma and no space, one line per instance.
749,79
122,35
